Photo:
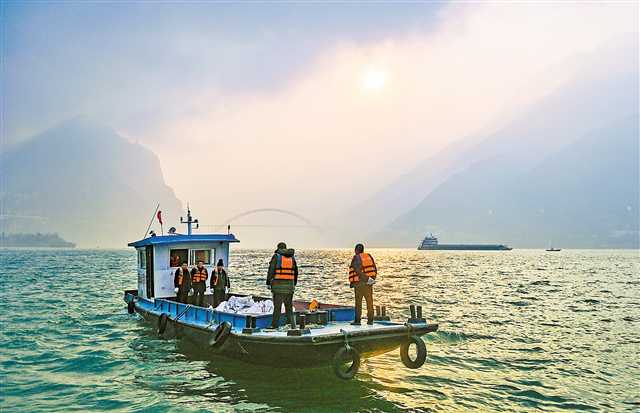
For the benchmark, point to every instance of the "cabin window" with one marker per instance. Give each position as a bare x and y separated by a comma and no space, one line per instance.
142,259
201,255
177,257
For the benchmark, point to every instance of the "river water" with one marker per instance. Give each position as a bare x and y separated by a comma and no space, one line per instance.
519,331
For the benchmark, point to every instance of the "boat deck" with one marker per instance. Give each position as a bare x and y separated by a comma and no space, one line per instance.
331,329
338,320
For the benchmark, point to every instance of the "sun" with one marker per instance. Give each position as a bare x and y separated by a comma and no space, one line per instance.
374,79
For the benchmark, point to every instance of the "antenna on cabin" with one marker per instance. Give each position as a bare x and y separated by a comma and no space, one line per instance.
189,221
228,228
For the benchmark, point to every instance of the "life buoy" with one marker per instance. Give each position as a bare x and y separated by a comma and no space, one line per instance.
343,354
421,349
131,307
162,323
220,334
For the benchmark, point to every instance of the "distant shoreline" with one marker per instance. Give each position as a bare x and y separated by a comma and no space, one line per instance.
34,241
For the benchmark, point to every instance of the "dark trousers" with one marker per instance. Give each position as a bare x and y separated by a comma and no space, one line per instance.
198,293
366,291
218,297
182,295
278,299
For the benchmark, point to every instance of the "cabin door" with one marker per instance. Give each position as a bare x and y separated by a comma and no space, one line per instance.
149,256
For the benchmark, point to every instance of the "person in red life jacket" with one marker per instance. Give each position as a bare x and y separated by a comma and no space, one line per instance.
220,284
362,276
282,278
182,283
199,276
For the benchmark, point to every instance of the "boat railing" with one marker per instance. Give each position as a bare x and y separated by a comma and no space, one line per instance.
202,316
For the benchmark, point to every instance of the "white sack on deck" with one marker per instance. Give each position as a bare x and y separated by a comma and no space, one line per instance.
246,305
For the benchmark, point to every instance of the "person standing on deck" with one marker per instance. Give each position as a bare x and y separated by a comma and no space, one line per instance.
199,276
282,279
362,276
220,283
182,282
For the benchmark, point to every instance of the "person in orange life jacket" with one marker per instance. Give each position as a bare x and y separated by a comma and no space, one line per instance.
175,261
182,282
220,284
199,276
282,278
362,276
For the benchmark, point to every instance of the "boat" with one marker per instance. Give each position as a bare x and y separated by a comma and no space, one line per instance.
430,242
552,249
322,334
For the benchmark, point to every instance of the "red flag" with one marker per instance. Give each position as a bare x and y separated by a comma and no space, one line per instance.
160,217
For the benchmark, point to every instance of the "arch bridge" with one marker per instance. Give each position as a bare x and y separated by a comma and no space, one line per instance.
306,222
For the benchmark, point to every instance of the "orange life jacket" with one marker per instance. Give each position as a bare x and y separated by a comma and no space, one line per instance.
180,277
284,268
200,275
368,267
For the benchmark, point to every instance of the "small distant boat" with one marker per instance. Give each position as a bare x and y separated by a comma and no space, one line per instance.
431,243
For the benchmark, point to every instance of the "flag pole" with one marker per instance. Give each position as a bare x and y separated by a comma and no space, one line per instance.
153,216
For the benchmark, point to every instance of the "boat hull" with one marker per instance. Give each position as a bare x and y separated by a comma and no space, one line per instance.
465,247
279,350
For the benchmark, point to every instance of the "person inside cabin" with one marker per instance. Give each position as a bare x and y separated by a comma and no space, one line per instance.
282,278
175,260
362,276
182,282
220,284
199,276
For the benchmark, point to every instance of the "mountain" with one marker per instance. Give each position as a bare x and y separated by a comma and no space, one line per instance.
585,195
603,91
84,181
33,240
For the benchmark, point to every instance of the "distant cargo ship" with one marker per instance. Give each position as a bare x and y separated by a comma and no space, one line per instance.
431,243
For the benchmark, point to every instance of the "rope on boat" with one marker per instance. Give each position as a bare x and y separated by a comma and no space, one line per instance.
245,352
409,329
183,312
346,339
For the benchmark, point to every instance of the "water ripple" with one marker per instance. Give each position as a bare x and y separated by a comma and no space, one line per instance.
518,331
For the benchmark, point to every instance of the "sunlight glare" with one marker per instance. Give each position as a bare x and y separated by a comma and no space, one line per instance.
374,79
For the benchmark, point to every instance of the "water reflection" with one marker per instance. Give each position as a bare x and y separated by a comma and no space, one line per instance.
260,387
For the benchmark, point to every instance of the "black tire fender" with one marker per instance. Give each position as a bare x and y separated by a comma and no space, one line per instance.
220,334
162,323
421,349
346,353
131,307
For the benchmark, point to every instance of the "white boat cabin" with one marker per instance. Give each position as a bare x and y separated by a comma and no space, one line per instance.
160,256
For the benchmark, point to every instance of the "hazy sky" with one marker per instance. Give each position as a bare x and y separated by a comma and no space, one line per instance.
308,107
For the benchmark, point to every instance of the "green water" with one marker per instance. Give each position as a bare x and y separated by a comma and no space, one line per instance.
519,331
